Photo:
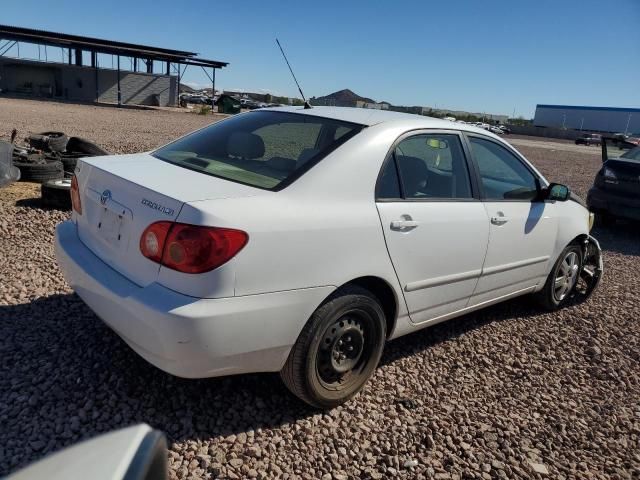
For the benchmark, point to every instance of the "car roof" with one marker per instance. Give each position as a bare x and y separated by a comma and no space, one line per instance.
370,117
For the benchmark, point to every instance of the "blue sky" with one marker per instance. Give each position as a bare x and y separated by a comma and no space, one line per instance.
496,56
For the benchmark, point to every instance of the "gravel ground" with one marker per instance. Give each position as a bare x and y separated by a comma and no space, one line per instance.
508,392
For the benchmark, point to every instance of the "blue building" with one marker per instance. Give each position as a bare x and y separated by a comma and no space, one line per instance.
598,119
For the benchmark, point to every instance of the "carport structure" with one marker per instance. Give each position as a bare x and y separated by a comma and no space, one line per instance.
80,67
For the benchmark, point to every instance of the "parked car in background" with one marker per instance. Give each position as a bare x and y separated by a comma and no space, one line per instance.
301,240
616,188
589,139
504,129
495,129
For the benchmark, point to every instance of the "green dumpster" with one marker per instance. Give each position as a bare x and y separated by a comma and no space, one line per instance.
228,104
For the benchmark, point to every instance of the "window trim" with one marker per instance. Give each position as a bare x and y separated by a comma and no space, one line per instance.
390,157
357,128
523,161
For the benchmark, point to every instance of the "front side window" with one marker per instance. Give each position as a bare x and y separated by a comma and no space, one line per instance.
263,149
503,175
432,166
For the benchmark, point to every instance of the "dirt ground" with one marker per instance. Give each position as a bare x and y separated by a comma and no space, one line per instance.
507,392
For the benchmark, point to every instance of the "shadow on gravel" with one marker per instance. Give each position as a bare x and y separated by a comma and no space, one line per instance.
65,376
623,237
35,202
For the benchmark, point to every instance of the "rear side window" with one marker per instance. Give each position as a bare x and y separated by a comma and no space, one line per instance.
430,166
263,149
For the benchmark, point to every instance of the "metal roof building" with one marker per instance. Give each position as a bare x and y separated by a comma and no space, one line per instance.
599,119
73,67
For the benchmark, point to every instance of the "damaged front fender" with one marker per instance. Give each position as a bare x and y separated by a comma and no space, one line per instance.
592,269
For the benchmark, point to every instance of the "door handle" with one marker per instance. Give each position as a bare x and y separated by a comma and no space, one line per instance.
499,219
403,224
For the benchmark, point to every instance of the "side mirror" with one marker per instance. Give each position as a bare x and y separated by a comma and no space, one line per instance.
557,192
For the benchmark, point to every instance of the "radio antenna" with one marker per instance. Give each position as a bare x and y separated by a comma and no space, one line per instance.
306,104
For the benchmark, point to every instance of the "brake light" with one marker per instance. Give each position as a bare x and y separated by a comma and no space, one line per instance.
75,196
191,248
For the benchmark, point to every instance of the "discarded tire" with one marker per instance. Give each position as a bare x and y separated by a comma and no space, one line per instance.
40,172
80,145
69,162
56,194
49,141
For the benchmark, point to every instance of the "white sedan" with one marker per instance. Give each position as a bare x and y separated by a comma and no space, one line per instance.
301,240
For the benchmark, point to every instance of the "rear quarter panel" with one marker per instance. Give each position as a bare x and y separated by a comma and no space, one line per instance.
323,230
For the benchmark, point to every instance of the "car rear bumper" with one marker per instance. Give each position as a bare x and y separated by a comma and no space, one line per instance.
185,336
617,205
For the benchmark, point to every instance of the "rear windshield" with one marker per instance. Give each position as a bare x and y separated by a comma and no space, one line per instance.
264,149
633,154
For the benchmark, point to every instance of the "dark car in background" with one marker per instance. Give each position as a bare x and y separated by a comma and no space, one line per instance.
589,139
616,189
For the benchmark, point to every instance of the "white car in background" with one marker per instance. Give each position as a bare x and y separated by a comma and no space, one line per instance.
301,240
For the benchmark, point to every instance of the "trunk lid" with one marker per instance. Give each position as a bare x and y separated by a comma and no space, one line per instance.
122,195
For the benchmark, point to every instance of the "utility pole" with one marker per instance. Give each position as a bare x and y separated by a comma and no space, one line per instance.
626,129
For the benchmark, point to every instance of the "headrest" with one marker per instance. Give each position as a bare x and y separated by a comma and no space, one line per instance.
306,155
245,145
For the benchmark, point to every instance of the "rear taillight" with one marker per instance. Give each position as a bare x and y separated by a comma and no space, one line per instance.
191,248
75,196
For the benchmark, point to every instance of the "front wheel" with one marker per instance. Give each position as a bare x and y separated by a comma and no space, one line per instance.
337,350
562,280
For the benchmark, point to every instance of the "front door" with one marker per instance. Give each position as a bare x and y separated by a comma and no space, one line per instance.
523,229
436,231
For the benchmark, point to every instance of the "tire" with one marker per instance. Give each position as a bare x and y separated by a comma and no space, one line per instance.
80,145
56,194
555,296
350,324
40,172
69,162
49,141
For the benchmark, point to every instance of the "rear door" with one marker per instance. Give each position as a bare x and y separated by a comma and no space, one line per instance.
523,229
435,227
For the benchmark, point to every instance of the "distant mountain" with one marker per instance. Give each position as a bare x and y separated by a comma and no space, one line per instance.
186,88
344,96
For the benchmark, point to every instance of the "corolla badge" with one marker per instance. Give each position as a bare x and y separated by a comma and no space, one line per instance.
106,195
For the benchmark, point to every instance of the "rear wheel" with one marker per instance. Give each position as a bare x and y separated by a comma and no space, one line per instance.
562,280
338,349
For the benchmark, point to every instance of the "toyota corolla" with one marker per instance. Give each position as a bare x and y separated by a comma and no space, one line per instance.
300,240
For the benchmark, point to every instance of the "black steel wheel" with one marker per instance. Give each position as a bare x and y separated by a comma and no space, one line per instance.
338,349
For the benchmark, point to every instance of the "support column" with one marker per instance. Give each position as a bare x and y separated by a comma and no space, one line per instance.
119,91
150,66
78,57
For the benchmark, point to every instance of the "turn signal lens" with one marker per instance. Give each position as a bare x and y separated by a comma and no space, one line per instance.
191,248
75,196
